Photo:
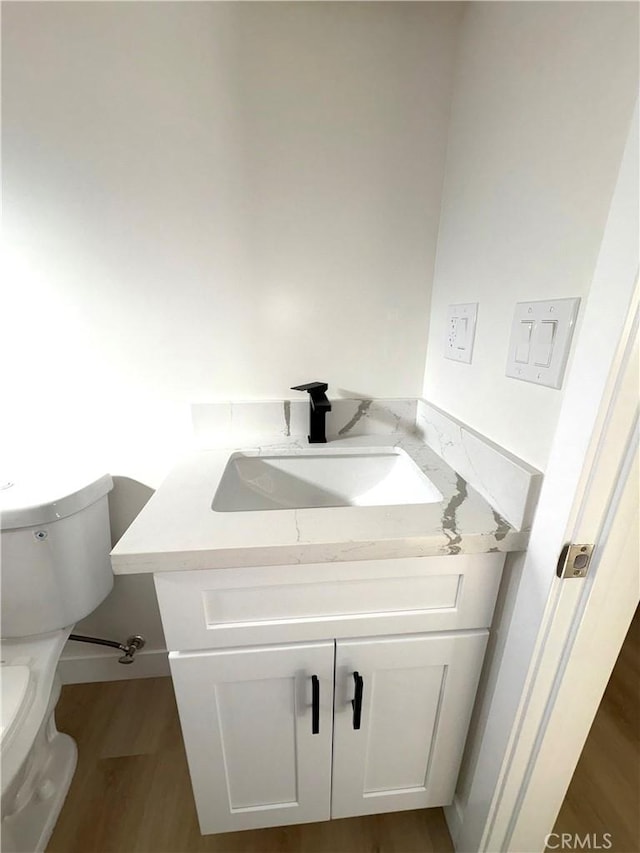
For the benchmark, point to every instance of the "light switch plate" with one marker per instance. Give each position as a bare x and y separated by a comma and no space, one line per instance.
540,340
461,330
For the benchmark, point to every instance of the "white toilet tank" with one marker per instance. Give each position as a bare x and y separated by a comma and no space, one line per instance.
54,550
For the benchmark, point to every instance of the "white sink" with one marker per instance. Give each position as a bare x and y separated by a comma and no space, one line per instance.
380,477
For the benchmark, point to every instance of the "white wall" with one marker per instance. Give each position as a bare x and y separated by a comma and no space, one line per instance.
210,201
543,97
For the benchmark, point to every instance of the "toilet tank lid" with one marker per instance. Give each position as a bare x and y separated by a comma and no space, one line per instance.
38,496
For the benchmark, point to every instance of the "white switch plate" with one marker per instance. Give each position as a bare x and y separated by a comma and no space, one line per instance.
461,330
540,340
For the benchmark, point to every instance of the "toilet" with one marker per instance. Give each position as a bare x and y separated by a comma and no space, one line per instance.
54,570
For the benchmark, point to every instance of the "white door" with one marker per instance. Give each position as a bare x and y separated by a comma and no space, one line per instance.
257,726
586,626
520,764
402,708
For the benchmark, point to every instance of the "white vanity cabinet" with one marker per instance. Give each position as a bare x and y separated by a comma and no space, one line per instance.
417,697
258,754
326,690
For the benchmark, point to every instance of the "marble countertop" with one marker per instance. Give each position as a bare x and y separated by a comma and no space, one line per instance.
178,530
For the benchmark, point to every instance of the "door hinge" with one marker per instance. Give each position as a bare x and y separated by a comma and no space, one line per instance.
574,561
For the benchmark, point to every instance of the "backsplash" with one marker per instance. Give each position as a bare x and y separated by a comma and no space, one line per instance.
239,423
509,484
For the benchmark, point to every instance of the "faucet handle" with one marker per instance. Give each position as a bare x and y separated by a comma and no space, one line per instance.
311,386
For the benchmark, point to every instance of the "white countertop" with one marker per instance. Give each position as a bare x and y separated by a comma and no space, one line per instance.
178,530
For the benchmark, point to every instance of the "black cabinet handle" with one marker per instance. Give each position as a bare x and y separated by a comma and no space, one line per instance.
356,702
315,705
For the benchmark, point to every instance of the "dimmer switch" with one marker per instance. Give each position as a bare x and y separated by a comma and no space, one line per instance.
461,327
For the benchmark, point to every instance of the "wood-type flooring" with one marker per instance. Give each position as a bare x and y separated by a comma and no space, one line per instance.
602,805
131,792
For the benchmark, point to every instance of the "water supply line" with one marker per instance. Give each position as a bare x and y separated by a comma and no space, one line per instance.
133,644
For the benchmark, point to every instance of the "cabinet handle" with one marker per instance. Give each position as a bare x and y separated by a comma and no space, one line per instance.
356,702
315,705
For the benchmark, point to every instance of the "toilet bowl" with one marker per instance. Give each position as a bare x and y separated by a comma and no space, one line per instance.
55,570
37,761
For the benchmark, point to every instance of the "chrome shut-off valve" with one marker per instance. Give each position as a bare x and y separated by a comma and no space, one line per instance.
132,645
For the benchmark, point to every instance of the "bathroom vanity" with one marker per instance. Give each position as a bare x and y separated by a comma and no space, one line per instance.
325,657
329,689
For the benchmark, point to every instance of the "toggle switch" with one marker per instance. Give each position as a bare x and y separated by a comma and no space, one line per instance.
544,338
523,344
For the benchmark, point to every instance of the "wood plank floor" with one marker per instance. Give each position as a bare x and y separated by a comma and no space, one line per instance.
131,792
604,795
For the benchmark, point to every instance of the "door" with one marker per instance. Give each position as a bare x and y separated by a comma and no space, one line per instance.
257,726
512,792
402,708
586,627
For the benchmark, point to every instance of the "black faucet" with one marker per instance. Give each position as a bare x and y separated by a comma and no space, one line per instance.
319,405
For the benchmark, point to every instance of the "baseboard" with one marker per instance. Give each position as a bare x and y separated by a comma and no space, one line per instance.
453,816
101,666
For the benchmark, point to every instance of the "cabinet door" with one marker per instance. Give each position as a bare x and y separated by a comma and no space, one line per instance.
417,693
259,755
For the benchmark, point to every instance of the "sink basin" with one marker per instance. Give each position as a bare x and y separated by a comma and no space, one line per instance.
381,477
